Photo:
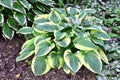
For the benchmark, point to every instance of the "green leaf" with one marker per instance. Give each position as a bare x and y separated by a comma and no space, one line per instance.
55,60
84,44
78,33
1,19
41,18
113,35
28,43
72,60
19,8
12,23
7,32
89,10
30,17
25,30
66,69
47,26
72,10
20,18
37,11
35,33
41,7
40,38
61,39
43,48
1,8
92,61
25,53
8,11
94,27
25,3
38,30
103,56
55,17
59,35
40,65
98,41
82,15
63,42
101,35
7,3
47,2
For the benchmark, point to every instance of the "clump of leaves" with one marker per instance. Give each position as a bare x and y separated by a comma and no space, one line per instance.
111,71
112,48
15,14
65,38
112,16
63,3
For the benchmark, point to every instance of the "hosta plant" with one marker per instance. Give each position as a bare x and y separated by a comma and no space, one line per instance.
65,38
15,14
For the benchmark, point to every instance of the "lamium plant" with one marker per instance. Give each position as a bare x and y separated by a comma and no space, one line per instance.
65,38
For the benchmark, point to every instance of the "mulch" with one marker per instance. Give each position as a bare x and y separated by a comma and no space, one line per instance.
12,70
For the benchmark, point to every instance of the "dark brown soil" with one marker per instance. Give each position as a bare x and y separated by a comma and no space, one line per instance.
10,70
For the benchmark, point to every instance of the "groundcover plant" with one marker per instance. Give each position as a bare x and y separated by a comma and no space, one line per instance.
65,38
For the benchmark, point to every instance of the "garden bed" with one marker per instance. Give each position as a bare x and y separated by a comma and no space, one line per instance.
10,70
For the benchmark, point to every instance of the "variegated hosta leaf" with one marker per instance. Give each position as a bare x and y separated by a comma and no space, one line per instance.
103,56
84,44
61,39
40,65
92,61
95,27
55,60
12,23
43,48
28,43
26,4
78,33
20,18
72,10
72,60
25,30
35,33
66,69
7,32
63,42
41,18
40,38
47,2
30,16
98,41
19,8
1,19
41,7
25,53
100,35
89,10
37,11
81,16
27,50
59,35
55,17
47,26
7,3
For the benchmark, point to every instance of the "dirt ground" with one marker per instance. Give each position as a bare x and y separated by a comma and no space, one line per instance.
10,70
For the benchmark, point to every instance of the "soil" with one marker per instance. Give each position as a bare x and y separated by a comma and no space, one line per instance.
10,70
